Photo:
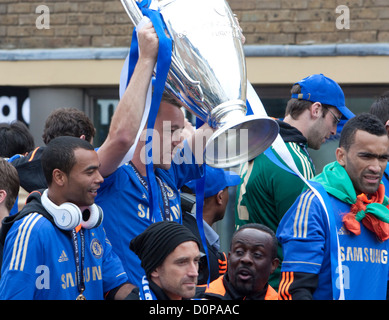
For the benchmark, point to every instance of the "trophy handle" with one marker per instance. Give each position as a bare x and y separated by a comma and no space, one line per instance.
133,11
136,16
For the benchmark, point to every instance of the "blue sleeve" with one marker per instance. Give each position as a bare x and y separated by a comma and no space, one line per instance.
113,271
302,233
16,285
21,257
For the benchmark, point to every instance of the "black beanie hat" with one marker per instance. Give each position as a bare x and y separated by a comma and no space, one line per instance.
160,239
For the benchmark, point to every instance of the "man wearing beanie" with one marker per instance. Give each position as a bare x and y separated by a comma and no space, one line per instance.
169,254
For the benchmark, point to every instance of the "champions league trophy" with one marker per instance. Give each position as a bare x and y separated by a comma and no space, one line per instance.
208,74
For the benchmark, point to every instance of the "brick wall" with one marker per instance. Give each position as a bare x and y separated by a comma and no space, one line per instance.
73,23
103,23
312,21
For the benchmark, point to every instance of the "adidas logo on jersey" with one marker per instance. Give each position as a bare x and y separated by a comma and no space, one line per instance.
342,231
63,257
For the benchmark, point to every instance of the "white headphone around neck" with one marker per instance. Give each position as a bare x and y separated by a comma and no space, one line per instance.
67,216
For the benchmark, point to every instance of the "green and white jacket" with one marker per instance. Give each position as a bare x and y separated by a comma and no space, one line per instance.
267,191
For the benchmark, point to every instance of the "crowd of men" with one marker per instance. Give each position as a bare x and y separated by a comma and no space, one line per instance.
89,228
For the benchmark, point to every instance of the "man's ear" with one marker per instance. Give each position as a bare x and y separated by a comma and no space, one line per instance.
316,110
274,265
154,276
59,177
219,197
341,156
3,195
155,273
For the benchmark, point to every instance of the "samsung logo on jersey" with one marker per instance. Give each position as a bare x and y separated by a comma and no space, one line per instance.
90,274
68,279
359,254
143,212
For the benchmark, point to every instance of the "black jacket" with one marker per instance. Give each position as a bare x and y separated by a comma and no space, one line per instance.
30,170
33,204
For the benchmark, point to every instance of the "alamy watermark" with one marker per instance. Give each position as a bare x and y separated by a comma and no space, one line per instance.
343,20
167,146
43,20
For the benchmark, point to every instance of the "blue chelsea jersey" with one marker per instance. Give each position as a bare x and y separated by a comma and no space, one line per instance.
305,238
125,202
39,263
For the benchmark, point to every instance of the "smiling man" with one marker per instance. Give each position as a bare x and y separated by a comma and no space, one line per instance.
251,260
358,209
55,248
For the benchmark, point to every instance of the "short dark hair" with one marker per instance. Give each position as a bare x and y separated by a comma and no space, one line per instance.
59,154
380,107
68,122
9,181
295,107
365,122
15,138
172,99
263,228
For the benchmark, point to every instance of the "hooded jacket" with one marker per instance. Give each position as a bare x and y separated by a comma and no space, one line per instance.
267,191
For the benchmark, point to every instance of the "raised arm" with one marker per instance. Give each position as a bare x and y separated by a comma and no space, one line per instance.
128,114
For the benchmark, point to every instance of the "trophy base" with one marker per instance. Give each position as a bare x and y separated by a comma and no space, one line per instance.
240,141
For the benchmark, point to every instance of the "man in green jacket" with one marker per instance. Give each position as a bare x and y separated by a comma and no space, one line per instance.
267,191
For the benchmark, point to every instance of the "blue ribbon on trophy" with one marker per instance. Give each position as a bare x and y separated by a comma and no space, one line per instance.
202,84
151,110
162,68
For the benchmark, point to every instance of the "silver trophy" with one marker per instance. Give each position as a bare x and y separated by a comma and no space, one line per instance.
208,74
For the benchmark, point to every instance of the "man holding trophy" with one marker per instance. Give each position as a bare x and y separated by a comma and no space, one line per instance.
129,215
146,189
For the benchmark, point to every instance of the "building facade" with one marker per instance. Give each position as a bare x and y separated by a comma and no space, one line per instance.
70,54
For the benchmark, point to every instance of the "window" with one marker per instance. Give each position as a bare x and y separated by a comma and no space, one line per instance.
100,106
